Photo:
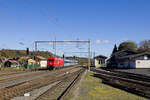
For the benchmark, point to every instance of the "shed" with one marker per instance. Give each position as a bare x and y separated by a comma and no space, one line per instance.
100,61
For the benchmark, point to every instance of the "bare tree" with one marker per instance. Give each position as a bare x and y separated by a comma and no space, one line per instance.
145,45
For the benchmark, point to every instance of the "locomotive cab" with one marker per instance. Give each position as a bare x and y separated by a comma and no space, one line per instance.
54,62
50,63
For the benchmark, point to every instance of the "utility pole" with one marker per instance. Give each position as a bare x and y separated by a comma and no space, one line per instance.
35,46
93,59
34,53
55,46
89,62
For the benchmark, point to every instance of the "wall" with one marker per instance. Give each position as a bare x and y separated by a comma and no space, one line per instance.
43,63
142,63
97,63
120,65
101,64
130,64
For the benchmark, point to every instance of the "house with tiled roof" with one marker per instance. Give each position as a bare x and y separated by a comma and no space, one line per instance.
11,63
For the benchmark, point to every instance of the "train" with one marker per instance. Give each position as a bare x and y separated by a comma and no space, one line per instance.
56,63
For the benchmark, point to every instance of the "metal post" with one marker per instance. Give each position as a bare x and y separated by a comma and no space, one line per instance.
89,63
34,53
55,46
35,46
94,59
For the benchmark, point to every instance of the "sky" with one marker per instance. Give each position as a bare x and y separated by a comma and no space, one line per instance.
104,22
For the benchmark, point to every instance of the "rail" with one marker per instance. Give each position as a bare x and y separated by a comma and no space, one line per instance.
123,81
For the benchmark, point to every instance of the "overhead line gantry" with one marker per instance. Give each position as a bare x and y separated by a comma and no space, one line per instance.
66,42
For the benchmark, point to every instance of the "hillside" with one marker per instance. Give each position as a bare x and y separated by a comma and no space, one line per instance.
8,53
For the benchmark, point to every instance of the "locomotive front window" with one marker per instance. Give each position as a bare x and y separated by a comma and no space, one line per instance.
51,60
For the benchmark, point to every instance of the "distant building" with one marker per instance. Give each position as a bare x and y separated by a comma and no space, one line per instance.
41,60
11,63
141,60
31,62
3,60
100,60
129,59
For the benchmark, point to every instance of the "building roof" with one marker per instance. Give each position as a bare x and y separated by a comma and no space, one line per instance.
4,60
31,60
100,57
134,55
123,53
12,61
40,58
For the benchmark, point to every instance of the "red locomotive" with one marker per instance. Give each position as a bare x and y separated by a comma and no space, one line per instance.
53,62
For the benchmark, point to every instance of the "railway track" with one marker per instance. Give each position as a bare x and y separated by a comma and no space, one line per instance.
67,90
20,88
130,82
60,90
133,76
9,80
18,75
3,73
11,72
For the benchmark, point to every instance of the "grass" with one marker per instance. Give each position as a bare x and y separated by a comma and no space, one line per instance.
92,88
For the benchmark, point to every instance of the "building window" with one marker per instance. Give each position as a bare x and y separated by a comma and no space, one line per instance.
99,62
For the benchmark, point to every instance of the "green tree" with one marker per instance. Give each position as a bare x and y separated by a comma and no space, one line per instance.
27,51
23,61
3,54
129,45
115,49
19,53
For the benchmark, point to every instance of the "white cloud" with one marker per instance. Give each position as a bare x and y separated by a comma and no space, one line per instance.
102,41
98,41
106,41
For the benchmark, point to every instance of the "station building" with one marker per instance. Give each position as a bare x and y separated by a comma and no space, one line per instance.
130,59
141,60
